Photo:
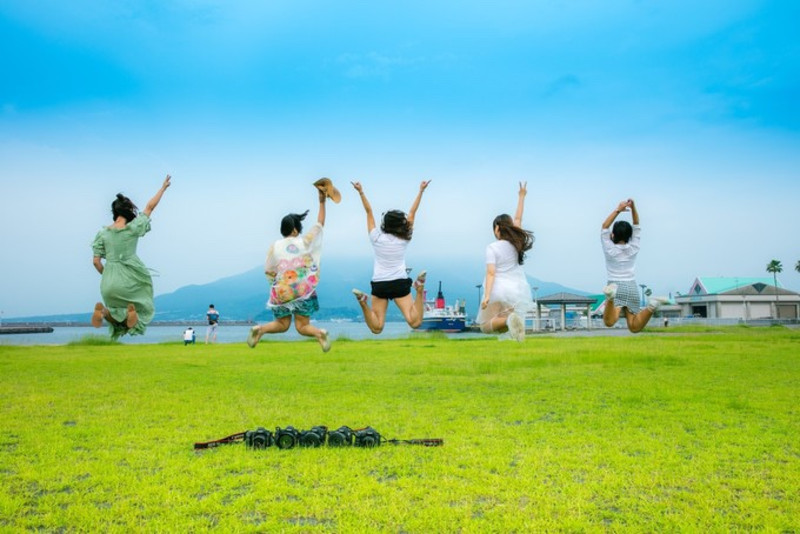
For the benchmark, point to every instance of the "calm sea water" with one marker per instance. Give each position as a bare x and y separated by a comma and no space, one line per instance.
225,334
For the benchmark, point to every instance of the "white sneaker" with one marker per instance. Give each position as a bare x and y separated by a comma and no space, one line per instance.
360,295
516,326
324,341
654,303
252,337
610,291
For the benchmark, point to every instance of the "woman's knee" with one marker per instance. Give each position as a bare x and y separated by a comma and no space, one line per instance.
377,326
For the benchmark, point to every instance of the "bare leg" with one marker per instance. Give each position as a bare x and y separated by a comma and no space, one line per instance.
278,326
97,316
499,321
378,317
110,319
636,323
411,309
304,327
610,313
273,327
499,324
419,300
375,317
132,317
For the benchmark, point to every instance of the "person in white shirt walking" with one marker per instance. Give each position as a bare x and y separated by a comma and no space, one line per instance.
213,323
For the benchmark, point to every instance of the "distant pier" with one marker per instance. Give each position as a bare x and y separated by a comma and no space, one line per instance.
20,329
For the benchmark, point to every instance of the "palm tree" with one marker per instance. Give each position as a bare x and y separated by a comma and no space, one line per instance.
775,267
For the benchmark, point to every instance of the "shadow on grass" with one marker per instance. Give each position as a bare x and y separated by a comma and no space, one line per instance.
92,340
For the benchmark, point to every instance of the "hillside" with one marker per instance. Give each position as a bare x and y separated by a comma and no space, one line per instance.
243,296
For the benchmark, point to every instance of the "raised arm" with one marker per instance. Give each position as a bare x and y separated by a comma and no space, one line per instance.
367,207
321,214
634,212
523,190
151,205
622,206
415,206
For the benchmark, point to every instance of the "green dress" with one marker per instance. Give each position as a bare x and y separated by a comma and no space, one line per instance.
125,278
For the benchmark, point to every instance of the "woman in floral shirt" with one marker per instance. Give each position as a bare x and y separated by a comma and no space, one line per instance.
292,269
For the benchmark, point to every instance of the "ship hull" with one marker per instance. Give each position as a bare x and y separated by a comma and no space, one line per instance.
443,324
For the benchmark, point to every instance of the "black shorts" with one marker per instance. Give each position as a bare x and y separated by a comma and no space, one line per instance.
391,289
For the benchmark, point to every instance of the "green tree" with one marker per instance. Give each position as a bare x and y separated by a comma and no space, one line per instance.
797,266
775,267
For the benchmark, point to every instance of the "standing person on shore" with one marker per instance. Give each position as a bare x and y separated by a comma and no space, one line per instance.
507,293
292,269
213,323
620,247
125,284
390,279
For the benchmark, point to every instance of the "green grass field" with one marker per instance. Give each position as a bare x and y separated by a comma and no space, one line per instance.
695,431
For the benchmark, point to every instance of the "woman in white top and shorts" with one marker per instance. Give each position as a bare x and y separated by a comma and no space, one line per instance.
620,247
507,293
390,279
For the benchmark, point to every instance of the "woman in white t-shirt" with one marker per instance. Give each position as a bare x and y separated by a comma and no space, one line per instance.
507,293
620,248
390,279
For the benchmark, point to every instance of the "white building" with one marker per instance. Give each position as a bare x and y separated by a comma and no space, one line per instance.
739,298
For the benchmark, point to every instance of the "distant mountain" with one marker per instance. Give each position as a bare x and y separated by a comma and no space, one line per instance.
242,297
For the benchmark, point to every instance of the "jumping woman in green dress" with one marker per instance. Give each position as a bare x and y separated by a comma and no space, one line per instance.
126,284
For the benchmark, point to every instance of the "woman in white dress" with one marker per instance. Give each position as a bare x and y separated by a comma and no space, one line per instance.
507,293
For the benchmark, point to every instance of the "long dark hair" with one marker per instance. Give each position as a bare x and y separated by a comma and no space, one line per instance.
522,240
396,223
124,207
292,222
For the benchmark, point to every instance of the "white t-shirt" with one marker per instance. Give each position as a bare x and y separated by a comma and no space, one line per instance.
503,255
390,256
620,259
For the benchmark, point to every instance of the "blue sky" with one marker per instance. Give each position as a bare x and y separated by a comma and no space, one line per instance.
690,108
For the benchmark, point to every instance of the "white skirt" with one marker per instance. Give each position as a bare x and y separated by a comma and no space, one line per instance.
511,292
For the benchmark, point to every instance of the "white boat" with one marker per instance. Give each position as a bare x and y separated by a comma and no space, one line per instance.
440,316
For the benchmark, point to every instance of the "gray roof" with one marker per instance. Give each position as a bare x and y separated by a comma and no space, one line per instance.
566,298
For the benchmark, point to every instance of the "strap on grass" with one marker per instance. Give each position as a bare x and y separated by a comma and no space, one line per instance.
426,442
233,438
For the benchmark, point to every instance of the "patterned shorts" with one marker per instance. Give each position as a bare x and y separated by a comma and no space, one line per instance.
627,295
304,307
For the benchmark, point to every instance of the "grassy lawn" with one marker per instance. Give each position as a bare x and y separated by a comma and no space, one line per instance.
694,431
